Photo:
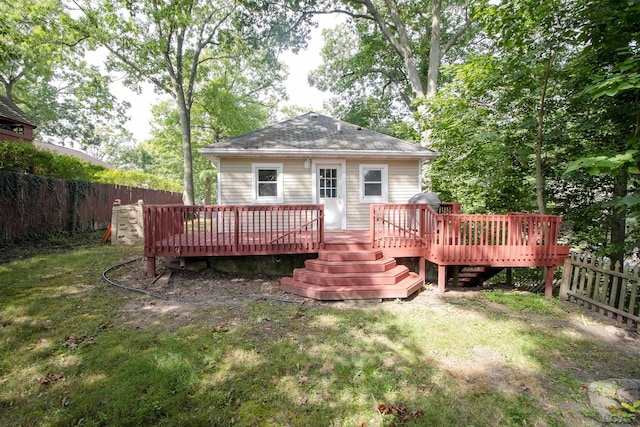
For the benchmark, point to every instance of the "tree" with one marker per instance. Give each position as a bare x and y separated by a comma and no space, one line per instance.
393,54
173,45
42,69
229,104
512,117
611,62
531,40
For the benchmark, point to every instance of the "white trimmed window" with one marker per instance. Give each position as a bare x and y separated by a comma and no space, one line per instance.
374,183
267,182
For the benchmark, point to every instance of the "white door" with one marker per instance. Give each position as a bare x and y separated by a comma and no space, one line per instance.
330,190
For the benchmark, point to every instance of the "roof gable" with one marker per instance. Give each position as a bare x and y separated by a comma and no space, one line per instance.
66,151
313,133
11,111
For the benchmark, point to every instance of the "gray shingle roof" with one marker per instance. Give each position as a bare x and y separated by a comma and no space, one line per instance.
12,112
66,151
312,134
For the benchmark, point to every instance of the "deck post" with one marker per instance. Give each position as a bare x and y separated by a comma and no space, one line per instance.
151,266
442,278
509,278
422,271
548,281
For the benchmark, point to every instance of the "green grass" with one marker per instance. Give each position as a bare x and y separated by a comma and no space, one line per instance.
74,351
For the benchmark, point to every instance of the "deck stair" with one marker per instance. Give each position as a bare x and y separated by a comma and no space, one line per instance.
352,271
474,275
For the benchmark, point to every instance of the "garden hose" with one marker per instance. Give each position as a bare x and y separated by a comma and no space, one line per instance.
256,297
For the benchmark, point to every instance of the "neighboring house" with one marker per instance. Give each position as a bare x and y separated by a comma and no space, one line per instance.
14,124
65,151
315,159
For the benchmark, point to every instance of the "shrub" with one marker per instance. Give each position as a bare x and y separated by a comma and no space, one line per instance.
136,179
25,158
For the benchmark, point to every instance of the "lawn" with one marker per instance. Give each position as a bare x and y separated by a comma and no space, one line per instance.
77,351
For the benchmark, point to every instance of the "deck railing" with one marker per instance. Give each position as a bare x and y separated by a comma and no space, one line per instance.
456,239
180,231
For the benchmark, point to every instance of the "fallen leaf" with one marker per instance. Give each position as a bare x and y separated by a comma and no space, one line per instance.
221,328
302,401
50,378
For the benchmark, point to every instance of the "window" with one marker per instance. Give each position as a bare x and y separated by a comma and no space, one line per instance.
328,183
267,182
373,183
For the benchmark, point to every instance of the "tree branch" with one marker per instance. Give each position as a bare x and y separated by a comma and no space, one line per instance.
457,35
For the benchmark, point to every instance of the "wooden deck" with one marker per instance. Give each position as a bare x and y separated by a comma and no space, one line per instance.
447,238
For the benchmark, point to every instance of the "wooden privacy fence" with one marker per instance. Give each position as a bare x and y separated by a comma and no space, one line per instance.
610,290
34,206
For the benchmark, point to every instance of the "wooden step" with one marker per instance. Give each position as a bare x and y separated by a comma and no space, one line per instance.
402,289
351,246
377,266
474,275
368,255
389,277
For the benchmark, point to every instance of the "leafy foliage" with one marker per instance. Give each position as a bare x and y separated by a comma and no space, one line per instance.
25,158
136,179
387,55
519,120
43,70
181,46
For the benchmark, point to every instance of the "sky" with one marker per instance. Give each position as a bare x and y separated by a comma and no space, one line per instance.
298,89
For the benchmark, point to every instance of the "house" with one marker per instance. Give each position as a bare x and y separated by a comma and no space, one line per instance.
14,124
66,151
316,159
318,185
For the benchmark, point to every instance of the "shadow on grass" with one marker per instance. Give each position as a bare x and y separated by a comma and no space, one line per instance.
71,356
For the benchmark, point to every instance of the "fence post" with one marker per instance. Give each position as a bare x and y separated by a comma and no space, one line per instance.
566,279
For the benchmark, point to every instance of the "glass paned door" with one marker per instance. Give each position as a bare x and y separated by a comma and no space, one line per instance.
330,195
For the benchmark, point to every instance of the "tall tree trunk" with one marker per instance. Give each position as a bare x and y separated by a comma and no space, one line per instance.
207,190
188,197
542,207
8,89
618,219
435,51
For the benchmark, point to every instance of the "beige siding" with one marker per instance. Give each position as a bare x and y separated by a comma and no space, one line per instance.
403,182
235,182
297,183
236,185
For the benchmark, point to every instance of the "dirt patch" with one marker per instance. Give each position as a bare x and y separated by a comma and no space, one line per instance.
187,288
195,283
193,292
